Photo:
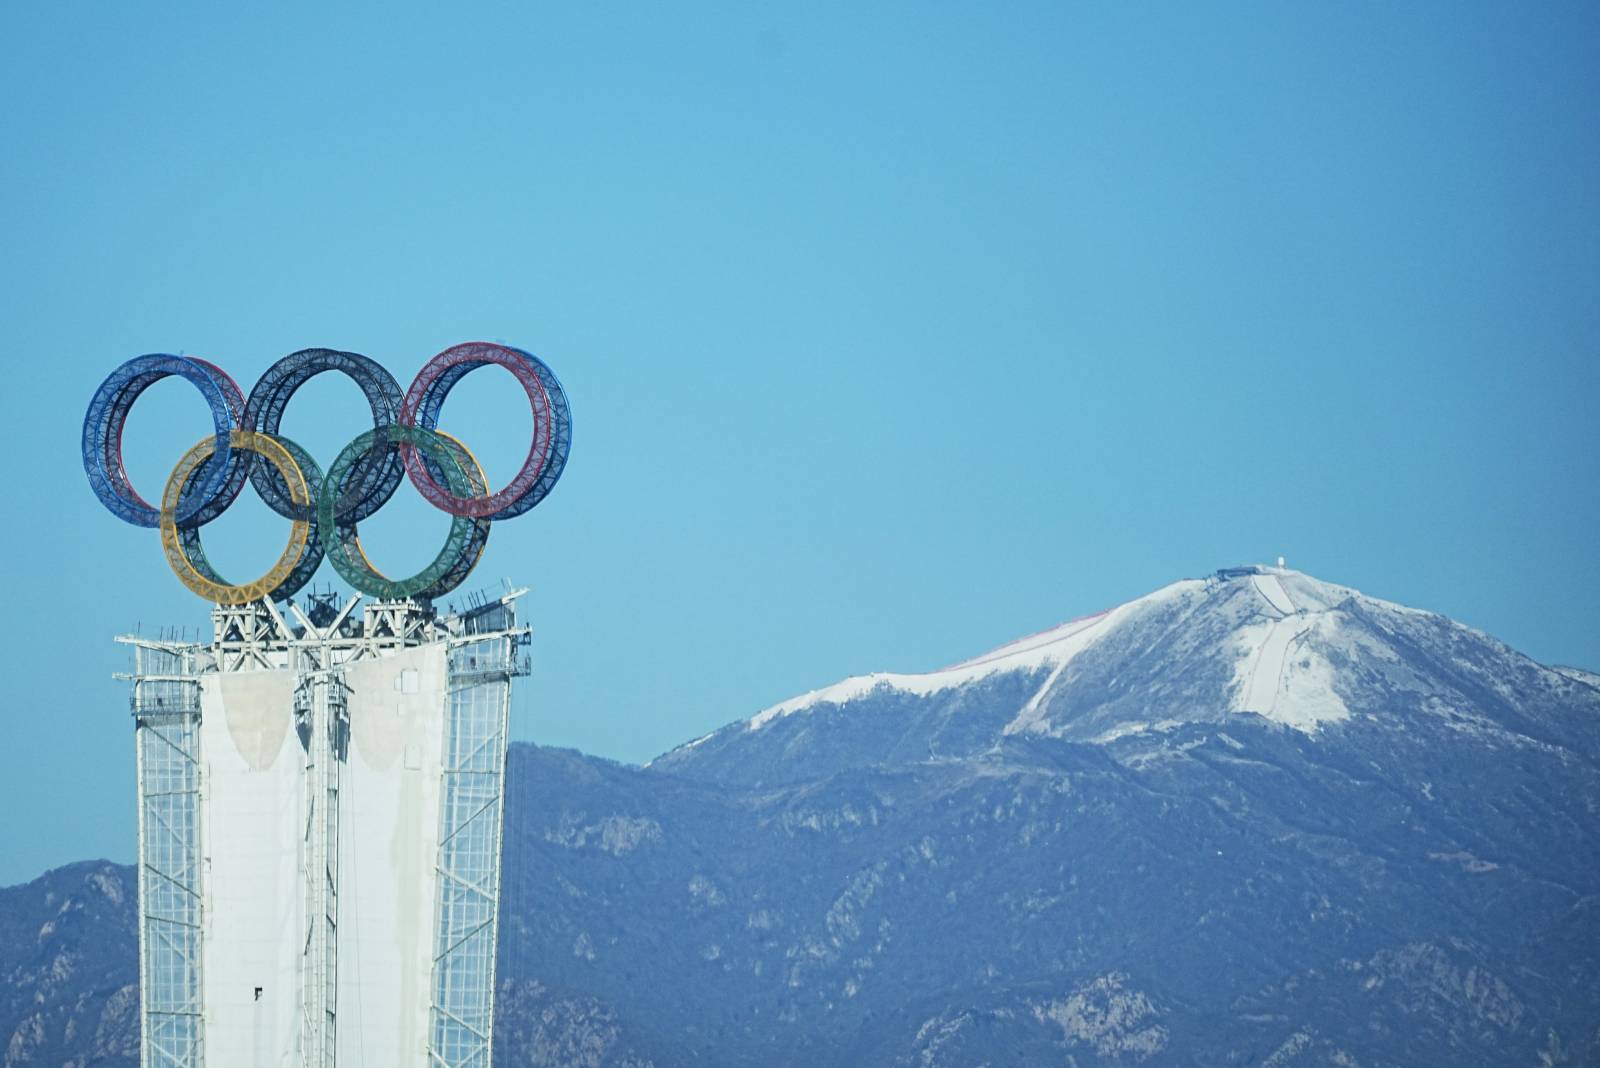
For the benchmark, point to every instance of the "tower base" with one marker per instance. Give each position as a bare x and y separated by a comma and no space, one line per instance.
320,815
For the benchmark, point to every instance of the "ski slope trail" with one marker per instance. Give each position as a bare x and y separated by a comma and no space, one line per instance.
1272,591
1265,680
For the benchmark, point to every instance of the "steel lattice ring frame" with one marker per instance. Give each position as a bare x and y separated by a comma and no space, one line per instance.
462,546
279,457
478,540
375,478
547,452
310,556
102,440
241,465
560,440
471,552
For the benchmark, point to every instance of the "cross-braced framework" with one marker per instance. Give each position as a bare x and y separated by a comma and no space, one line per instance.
469,852
482,654
322,719
166,708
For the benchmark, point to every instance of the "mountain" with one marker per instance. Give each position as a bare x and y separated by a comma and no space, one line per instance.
1250,819
69,993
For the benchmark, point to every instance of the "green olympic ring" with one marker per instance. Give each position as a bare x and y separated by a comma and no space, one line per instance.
463,546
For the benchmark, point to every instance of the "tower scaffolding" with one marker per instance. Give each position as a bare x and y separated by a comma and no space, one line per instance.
255,751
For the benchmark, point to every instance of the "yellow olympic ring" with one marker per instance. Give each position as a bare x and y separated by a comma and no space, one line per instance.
268,448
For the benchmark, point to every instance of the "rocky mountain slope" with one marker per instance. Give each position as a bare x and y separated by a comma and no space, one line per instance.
1254,819
69,992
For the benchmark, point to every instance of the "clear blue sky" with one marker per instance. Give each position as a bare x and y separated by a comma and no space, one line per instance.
891,331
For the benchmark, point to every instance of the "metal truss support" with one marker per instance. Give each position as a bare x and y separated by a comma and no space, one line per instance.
166,710
467,888
246,635
322,720
395,624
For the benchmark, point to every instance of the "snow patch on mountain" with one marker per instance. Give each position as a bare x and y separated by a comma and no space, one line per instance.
1279,674
1262,649
1279,671
1577,674
1308,698
1054,647
1272,591
1125,730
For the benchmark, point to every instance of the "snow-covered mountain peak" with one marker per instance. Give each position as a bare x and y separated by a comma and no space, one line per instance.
1047,648
1253,644
1278,609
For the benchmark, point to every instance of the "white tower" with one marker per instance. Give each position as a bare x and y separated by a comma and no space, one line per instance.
320,811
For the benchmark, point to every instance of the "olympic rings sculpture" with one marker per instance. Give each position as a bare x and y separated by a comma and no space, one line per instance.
324,507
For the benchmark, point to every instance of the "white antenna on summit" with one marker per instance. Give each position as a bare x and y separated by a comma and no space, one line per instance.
1280,562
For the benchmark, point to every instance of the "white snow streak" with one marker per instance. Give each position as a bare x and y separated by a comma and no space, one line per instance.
1272,591
1263,680
1053,647
1278,674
